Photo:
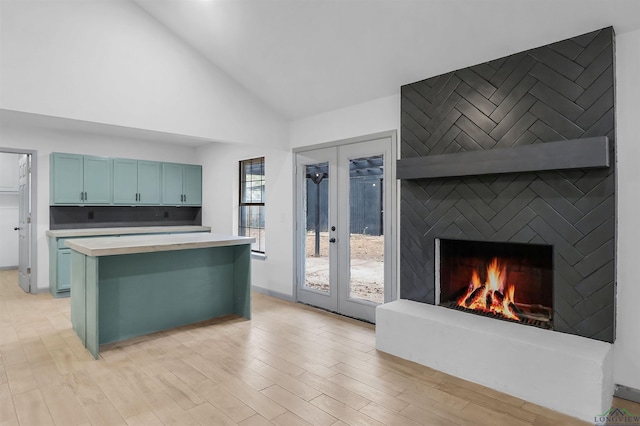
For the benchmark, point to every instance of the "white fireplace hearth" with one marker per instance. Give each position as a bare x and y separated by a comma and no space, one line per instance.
563,372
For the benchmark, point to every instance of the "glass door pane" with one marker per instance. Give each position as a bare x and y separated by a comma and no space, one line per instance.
365,210
316,218
366,239
316,242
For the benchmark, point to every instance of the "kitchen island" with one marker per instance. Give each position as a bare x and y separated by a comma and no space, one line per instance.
134,285
60,254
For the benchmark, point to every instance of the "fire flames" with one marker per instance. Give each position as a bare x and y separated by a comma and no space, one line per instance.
491,296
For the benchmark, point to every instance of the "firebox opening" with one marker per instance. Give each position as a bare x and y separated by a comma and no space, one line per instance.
509,281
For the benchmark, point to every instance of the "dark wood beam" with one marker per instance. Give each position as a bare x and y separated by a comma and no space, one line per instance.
572,154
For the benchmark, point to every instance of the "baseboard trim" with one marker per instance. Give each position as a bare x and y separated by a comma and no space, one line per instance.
272,293
625,392
7,268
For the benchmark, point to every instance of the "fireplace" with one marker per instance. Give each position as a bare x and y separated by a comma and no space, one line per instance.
488,155
507,281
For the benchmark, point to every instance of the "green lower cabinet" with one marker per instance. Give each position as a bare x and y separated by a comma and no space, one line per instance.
64,270
59,268
119,297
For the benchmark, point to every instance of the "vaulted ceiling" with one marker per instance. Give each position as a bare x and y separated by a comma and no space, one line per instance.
304,57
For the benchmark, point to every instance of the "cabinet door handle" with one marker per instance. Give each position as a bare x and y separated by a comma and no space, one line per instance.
85,196
139,196
185,198
181,197
81,196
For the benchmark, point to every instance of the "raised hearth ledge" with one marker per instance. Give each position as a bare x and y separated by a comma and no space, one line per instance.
564,155
563,372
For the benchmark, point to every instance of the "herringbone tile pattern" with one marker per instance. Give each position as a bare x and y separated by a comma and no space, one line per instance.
557,92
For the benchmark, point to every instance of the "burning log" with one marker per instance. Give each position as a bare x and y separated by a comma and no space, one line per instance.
476,293
514,308
489,301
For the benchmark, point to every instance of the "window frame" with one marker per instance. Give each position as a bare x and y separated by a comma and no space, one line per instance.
241,191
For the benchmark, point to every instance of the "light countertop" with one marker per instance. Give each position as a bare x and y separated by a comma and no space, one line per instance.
109,246
89,232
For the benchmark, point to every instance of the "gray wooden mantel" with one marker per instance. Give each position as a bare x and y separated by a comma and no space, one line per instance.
571,154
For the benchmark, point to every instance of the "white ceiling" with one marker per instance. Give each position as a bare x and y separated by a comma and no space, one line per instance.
304,57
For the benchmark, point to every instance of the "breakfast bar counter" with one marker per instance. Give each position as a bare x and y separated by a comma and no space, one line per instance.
129,286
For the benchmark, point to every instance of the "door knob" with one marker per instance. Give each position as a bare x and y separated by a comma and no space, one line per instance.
15,229
332,240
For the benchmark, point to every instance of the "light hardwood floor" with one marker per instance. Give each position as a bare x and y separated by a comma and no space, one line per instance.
290,365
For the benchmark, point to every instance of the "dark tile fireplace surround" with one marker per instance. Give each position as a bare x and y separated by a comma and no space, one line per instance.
520,150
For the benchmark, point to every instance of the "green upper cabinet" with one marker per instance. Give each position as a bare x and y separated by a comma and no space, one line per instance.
149,182
85,180
79,179
181,184
67,185
136,182
172,184
97,180
125,181
192,185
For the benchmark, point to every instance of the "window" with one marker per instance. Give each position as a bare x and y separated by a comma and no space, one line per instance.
251,211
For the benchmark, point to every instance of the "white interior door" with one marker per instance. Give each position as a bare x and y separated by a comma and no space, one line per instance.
345,227
24,223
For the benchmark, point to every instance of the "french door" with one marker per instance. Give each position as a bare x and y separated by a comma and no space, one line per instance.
344,228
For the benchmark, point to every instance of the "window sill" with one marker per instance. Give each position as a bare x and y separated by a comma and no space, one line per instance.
258,256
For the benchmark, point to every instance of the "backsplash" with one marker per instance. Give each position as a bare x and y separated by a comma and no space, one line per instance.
73,217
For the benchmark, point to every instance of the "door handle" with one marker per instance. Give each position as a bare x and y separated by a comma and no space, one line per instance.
332,240
81,196
15,229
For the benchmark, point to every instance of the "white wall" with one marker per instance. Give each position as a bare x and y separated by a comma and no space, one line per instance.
110,62
46,140
379,115
220,207
627,346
